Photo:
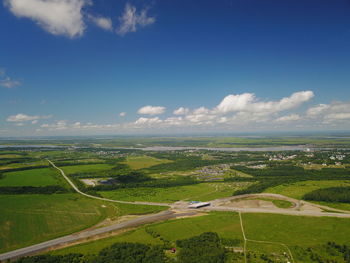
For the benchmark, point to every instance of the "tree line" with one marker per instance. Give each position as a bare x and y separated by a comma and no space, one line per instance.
331,194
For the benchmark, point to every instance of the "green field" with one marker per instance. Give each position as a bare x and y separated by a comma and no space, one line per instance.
296,230
21,165
290,230
72,169
200,192
298,189
30,219
226,224
33,177
144,161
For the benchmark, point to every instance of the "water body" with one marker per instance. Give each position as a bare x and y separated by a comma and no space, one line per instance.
223,149
179,148
184,148
32,146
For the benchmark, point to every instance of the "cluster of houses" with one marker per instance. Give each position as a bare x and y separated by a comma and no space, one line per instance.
281,157
212,173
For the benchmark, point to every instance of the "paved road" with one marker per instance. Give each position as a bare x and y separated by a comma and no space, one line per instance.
90,233
297,204
101,198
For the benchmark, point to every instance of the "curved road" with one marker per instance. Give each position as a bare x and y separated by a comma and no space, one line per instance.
101,198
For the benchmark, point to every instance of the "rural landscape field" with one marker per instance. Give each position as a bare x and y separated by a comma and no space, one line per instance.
259,205
174,131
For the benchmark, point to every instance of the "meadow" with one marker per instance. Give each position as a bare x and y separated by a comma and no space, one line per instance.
199,192
226,224
143,161
293,231
298,189
30,219
32,177
296,230
72,169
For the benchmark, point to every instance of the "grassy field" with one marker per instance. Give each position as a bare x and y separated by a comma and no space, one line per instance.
200,192
86,168
290,230
21,165
144,161
298,189
226,224
30,219
33,177
296,230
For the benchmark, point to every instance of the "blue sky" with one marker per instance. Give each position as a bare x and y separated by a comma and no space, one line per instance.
72,67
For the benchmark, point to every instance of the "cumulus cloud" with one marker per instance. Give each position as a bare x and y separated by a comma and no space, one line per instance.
247,102
289,118
130,21
58,17
6,81
57,126
20,117
151,110
102,22
328,113
181,111
317,110
148,121
122,114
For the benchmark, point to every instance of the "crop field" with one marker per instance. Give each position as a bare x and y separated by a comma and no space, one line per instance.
226,224
23,164
298,189
144,161
200,192
33,177
86,168
30,219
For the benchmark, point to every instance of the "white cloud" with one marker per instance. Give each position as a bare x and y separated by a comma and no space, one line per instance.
236,102
6,81
58,17
131,20
20,117
247,102
338,116
122,114
289,118
317,110
151,110
147,121
9,83
181,111
102,22
59,125
330,113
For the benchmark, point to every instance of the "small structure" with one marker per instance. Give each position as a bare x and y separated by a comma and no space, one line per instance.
198,205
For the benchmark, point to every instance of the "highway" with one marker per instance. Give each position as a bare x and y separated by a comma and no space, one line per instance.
44,246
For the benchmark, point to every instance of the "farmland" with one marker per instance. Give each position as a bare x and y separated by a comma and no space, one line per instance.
38,204
29,219
143,161
200,192
33,177
292,231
